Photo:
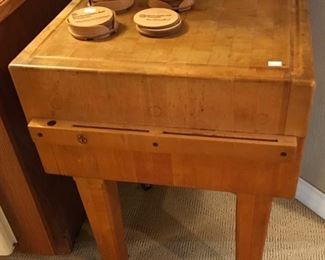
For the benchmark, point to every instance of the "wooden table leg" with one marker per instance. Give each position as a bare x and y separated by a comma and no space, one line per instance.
252,217
101,202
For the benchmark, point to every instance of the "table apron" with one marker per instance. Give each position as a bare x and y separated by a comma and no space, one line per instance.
180,157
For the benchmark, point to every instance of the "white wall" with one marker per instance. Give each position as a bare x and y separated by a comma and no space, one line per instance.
313,166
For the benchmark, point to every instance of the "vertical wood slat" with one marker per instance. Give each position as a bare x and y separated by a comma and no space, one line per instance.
101,201
252,217
26,193
33,230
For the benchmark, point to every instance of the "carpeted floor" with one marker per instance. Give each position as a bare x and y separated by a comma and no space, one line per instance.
173,223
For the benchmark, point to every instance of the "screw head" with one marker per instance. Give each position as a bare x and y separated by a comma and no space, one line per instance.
51,123
283,154
82,139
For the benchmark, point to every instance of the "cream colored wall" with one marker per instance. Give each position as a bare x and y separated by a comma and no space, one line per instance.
313,167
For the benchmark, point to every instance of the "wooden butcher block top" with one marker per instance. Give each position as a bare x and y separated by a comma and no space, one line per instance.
213,75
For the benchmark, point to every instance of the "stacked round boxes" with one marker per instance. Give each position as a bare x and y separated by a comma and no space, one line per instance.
177,5
157,22
93,22
116,5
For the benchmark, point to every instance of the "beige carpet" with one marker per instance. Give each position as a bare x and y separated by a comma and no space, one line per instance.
173,223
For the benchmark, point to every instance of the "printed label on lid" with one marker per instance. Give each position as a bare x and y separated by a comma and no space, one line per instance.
90,16
156,18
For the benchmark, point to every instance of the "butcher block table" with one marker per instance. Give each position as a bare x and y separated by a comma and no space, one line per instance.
203,109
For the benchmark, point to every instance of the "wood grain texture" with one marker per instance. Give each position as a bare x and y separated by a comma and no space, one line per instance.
102,204
206,172
271,148
221,58
9,6
35,227
249,167
252,217
251,107
224,27
11,172
212,77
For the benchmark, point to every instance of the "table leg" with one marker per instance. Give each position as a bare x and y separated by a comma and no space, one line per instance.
101,202
252,217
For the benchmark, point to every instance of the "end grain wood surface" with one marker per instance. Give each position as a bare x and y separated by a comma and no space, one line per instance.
219,58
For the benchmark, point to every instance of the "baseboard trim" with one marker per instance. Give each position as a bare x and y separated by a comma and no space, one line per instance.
310,196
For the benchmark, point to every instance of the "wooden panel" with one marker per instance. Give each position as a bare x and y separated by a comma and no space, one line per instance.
33,231
253,107
174,141
300,97
50,195
111,159
204,172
